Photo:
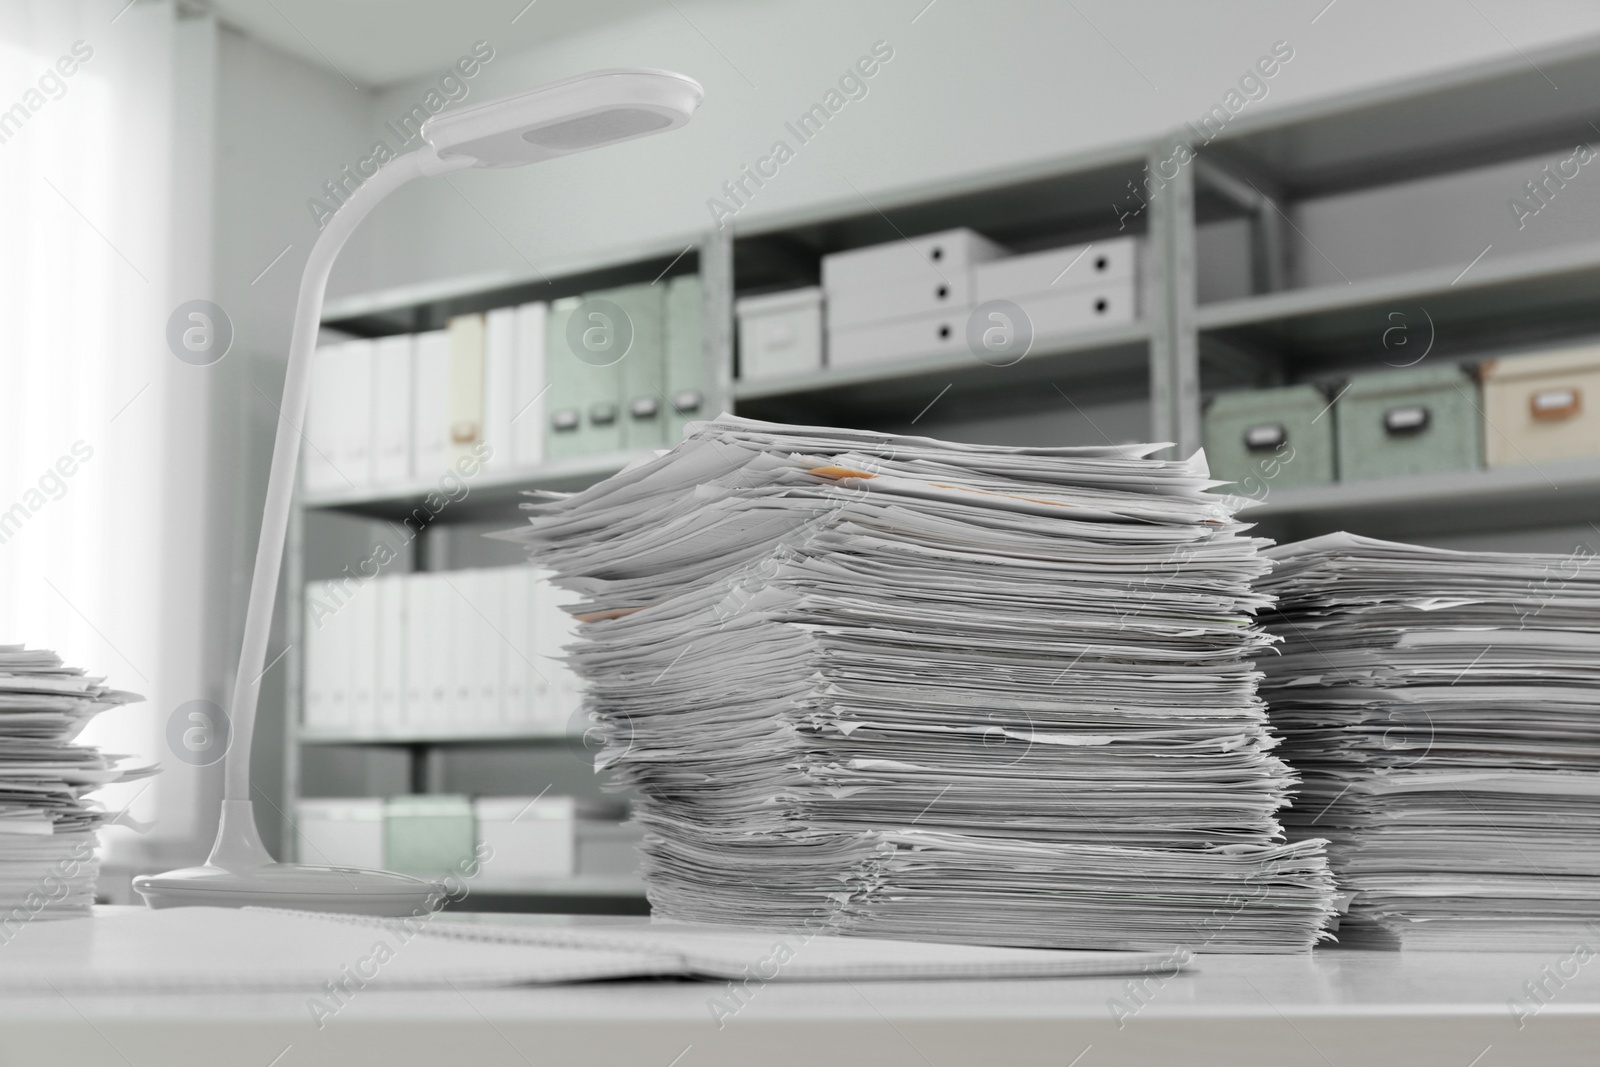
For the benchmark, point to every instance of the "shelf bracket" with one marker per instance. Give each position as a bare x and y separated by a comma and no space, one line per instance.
1262,201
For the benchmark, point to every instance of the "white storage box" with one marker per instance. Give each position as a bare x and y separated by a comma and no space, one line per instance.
780,333
1050,316
1056,270
1543,406
919,335
871,306
1075,310
931,258
343,832
608,848
530,838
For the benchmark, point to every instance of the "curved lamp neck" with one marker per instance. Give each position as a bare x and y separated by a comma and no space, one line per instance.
286,450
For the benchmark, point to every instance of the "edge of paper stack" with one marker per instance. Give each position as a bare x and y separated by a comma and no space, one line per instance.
47,825
899,687
1442,708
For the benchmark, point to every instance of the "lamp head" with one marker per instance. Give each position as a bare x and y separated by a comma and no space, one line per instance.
590,111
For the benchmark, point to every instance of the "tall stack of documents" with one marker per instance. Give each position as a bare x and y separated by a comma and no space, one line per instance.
907,688
1444,710
47,827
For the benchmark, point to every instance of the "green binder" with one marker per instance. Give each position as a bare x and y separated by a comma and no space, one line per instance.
428,835
583,409
687,387
1413,421
644,392
1266,439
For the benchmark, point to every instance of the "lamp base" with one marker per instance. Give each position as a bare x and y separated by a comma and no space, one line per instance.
240,873
294,886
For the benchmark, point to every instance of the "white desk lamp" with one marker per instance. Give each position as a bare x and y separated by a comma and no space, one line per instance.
591,111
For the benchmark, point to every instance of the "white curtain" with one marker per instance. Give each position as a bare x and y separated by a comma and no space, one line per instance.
105,177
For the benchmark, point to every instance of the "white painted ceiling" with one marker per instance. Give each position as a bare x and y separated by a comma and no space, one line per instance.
375,43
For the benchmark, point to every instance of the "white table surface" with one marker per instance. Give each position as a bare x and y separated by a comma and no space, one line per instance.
1335,1007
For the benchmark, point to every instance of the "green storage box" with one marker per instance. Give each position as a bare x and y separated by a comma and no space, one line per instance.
428,835
1413,421
1265,439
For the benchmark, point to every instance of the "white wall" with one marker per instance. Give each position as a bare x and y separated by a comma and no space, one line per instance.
282,127
972,88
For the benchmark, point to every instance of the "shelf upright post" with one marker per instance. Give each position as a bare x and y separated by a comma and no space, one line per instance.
716,281
1170,289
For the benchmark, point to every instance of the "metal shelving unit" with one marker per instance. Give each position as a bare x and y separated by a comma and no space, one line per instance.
493,495
1258,170
1053,202
1025,207
1507,291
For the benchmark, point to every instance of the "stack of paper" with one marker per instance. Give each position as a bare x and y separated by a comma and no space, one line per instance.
1444,710
908,688
47,864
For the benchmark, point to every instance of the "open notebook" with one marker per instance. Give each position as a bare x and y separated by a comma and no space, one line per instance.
227,950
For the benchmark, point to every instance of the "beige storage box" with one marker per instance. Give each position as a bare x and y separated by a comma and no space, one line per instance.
1542,407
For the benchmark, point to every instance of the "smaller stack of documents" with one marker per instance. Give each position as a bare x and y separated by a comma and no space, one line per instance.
1443,709
47,827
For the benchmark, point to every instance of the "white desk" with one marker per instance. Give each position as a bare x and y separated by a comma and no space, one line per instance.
1336,1008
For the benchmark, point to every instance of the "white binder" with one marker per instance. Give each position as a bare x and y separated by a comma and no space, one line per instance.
318,470
388,593
354,411
499,385
529,386
362,657
430,423
391,409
